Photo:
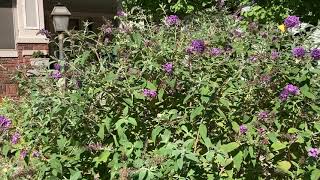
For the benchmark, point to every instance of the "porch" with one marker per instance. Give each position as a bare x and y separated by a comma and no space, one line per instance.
21,21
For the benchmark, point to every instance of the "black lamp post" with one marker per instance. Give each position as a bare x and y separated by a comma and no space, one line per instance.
60,15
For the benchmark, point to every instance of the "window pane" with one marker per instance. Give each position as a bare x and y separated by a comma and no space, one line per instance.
31,13
6,28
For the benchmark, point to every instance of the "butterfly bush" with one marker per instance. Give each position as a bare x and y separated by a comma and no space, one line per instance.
195,102
292,21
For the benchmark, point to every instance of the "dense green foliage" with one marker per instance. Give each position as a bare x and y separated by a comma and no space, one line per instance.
204,123
260,10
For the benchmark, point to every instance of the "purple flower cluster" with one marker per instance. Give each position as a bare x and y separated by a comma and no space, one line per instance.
315,54
168,67
263,115
150,93
15,138
44,32
288,90
172,20
292,21
57,66
56,74
313,152
4,122
274,54
216,51
298,52
197,46
243,129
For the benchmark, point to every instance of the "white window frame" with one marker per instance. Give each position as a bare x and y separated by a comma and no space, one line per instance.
25,15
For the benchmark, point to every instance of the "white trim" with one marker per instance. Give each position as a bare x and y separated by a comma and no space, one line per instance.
8,53
32,40
30,52
37,15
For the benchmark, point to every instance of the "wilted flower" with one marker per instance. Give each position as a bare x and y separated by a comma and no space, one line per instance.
264,34
168,67
107,29
197,46
313,152
261,131
253,58
94,146
172,20
292,21
149,93
215,51
298,52
288,90
315,54
15,138
274,54
238,32
253,26
35,153
4,122
243,129
263,115
56,74
265,78
23,154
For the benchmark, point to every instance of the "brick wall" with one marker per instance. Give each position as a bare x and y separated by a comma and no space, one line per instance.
8,88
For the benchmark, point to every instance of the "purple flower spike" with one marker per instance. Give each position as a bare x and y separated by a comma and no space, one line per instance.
197,46
172,20
56,75
298,52
57,66
274,54
313,152
44,32
292,21
168,67
216,51
289,89
150,93
243,129
4,122
15,138
315,54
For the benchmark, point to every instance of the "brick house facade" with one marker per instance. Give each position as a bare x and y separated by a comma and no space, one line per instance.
21,21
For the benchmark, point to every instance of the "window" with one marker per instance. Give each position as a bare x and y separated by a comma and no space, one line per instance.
7,26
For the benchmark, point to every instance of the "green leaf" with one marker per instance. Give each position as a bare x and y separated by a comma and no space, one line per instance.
142,174
235,126
104,156
315,175
305,91
192,157
203,131
75,175
196,112
276,146
284,166
180,163
155,133
237,160
226,148
101,131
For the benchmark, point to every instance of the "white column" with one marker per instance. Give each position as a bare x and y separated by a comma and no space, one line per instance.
30,19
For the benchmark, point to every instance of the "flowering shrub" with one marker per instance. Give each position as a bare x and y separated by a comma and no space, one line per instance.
194,101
